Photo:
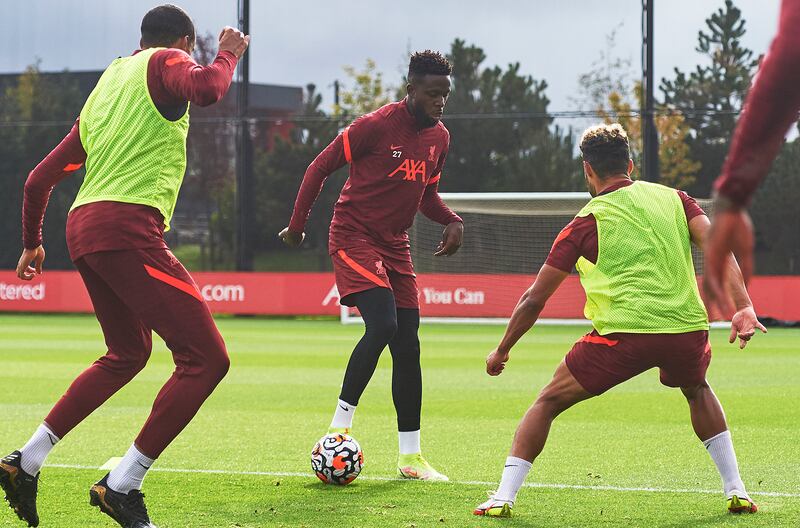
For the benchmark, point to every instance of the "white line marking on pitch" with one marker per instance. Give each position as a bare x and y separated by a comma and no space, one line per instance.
459,482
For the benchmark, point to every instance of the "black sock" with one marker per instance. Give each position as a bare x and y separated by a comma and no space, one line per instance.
406,370
378,309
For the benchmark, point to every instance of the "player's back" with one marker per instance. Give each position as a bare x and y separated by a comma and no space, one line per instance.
643,280
134,154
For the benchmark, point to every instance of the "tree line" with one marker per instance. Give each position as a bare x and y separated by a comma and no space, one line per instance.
503,138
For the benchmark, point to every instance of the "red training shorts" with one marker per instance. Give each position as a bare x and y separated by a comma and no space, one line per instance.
602,362
364,267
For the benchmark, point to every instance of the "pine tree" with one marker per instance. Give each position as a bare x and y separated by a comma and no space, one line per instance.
711,96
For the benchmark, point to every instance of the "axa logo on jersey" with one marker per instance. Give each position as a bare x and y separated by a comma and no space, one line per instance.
410,169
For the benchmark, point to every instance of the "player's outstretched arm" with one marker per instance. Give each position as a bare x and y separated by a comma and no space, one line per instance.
733,294
770,109
64,160
525,314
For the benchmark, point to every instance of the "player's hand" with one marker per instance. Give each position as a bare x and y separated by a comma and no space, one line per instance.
234,41
30,263
291,238
743,326
452,237
496,362
731,231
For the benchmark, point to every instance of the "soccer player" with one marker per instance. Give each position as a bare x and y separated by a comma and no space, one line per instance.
396,156
132,136
631,246
770,109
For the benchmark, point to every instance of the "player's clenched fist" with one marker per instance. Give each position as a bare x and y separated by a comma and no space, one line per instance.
291,238
233,40
30,263
496,362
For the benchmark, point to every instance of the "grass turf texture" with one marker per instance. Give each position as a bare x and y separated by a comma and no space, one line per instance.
282,388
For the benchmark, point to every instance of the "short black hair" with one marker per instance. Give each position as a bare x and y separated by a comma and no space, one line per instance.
428,63
165,24
606,149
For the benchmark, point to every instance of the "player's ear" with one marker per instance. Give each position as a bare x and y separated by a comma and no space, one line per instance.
587,170
630,167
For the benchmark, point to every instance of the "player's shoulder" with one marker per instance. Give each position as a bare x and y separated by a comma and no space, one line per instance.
376,118
387,111
171,57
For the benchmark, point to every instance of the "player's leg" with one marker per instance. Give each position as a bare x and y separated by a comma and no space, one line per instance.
560,394
159,290
377,308
129,343
708,421
362,282
407,376
594,365
407,379
685,362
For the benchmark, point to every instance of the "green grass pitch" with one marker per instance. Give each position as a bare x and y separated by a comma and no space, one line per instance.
628,458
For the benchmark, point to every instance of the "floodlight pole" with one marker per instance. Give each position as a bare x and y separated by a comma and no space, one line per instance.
650,170
245,191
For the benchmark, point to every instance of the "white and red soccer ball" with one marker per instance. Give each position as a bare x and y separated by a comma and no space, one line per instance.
337,459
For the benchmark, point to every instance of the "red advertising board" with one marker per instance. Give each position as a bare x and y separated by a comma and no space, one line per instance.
441,295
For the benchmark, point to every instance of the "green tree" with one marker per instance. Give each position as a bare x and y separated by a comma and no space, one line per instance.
607,89
364,92
279,172
36,112
775,218
711,96
677,169
501,138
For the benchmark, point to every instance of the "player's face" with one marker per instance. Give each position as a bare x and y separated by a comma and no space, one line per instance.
428,95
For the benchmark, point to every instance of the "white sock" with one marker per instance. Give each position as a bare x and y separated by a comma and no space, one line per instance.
343,417
130,472
514,475
36,450
409,442
720,447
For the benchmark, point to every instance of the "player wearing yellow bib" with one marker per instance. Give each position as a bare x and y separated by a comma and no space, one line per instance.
631,245
132,136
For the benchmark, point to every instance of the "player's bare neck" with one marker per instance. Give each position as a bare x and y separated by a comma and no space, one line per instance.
611,180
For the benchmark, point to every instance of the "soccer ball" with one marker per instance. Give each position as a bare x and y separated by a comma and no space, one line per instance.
337,459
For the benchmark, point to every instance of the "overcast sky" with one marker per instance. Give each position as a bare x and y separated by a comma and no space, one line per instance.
297,42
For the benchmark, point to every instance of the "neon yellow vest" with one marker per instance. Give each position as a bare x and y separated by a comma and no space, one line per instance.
134,154
643,281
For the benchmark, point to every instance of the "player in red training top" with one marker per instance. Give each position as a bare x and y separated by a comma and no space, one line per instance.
116,240
396,156
770,109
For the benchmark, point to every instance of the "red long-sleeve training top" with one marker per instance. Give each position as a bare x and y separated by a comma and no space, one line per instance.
771,107
395,167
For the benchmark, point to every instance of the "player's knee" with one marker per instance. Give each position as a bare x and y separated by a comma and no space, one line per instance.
695,391
382,328
553,400
127,365
405,347
220,361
